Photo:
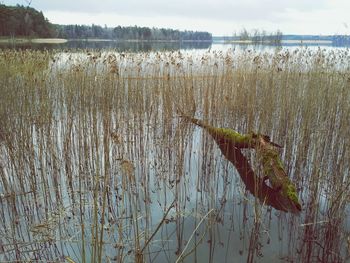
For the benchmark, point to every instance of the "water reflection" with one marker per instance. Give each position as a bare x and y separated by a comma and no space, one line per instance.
132,46
135,46
63,156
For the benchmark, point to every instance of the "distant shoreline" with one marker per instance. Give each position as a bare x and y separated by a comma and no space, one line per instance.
23,40
20,40
33,40
294,41
49,40
310,41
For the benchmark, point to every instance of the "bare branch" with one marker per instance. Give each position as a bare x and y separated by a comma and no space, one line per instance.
28,2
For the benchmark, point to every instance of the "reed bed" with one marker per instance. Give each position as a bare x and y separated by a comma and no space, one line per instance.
97,166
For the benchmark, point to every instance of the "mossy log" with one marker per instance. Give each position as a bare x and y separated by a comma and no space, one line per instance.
281,194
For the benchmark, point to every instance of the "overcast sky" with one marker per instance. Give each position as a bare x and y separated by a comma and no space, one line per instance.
220,17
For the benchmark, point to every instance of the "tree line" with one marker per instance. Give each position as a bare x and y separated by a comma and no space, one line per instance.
25,21
257,36
129,33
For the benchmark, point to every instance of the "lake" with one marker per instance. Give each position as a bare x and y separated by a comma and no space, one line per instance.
135,46
97,163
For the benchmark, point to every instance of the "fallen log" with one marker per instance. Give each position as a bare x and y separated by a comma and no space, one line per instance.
281,194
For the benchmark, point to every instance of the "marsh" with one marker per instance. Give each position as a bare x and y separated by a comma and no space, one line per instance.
98,166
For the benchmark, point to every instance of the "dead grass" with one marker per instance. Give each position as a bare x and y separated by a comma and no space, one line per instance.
94,156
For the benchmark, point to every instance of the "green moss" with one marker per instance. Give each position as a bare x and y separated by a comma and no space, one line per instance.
269,154
279,163
292,194
233,136
269,157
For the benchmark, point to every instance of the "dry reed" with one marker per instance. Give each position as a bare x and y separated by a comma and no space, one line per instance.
93,155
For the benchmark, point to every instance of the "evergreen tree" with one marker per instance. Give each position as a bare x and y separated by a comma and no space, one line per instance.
24,21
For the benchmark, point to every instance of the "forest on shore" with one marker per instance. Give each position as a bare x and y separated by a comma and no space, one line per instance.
25,21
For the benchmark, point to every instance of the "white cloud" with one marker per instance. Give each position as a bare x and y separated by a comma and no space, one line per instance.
207,9
156,21
326,21
216,16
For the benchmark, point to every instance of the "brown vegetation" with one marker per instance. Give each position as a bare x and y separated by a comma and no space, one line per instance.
96,165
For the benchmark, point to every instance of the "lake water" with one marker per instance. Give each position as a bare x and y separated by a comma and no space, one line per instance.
150,157
157,46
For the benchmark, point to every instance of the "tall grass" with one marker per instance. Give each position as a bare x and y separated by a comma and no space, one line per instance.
96,165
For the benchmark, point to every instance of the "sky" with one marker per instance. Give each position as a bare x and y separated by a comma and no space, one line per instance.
219,17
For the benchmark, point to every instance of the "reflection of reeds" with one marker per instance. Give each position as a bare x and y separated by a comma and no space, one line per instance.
93,154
